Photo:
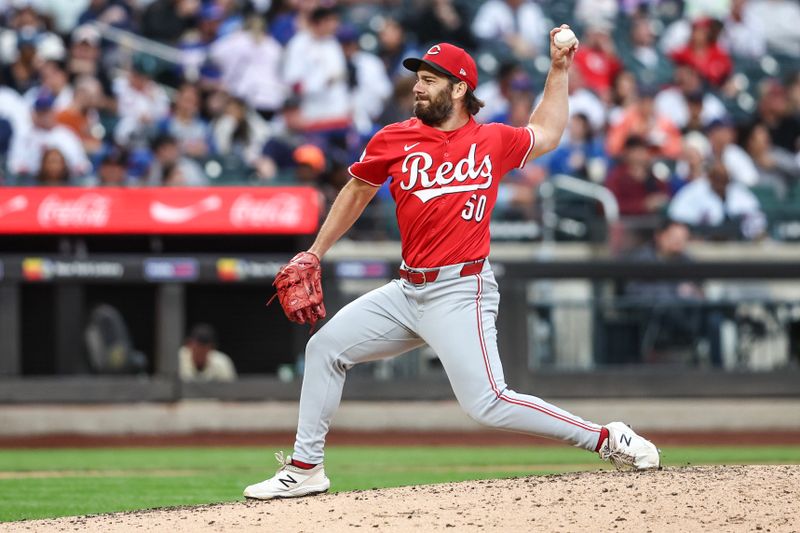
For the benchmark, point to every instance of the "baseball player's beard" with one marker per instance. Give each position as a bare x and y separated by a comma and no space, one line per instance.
437,111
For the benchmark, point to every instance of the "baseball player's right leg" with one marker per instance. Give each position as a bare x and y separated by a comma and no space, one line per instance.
374,326
465,338
460,327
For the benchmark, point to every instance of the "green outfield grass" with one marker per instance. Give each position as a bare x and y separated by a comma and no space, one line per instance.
63,482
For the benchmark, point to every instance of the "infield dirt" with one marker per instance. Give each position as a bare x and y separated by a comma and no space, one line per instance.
686,499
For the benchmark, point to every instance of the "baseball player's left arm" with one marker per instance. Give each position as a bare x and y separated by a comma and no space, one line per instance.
549,118
346,209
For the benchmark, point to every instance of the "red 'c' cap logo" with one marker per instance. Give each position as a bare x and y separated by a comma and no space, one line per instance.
435,49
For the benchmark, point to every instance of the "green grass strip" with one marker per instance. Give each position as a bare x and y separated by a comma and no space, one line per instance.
64,482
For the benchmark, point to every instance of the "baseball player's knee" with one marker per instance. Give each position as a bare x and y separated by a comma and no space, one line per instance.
322,351
487,413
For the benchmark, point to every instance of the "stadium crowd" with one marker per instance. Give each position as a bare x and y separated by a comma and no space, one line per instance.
687,108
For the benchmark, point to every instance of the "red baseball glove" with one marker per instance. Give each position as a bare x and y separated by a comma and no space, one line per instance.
298,286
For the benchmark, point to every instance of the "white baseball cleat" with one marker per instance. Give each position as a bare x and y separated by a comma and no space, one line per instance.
290,481
625,449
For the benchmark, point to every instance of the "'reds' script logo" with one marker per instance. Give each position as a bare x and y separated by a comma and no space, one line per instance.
418,166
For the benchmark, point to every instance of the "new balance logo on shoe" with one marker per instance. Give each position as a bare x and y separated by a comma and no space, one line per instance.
626,439
288,483
288,479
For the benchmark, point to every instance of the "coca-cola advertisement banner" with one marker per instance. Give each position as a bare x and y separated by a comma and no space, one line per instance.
225,210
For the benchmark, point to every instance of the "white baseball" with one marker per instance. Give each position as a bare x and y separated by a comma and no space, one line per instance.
565,38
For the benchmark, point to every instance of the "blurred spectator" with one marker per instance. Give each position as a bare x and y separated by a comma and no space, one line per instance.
581,155
642,57
169,163
368,84
82,116
231,18
277,160
520,93
774,111
401,104
440,21
674,314
692,163
582,100
717,203
704,54
310,166
722,137
21,74
695,120
782,19
588,12
597,60
676,101
26,151
494,92
394,45
28,28
316,70
166,20
624,94
632,182
112,171
642,120
200,361
13,108
53,170
85,58
519,24
250,63
287,17
141,103
240,132
743,34
54,80
195,43
185,123
777,168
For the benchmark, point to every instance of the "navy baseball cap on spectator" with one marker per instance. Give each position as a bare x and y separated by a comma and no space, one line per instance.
139,162
721,122
211,12
347,33
522,83
114,155
449,60
44,101
210,72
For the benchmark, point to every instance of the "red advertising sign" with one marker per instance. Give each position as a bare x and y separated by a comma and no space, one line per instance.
223,210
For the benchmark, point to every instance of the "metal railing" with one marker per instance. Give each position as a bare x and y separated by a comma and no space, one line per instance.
550,219
136,42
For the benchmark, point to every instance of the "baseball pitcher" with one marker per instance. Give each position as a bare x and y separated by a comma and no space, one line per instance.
444,170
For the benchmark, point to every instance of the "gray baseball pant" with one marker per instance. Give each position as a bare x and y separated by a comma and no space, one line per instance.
456,317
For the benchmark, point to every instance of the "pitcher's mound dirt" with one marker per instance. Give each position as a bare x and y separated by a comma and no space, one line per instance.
713,498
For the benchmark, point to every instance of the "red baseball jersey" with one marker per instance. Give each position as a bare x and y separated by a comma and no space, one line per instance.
444,184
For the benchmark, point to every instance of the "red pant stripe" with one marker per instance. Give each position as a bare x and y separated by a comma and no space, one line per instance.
502,396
